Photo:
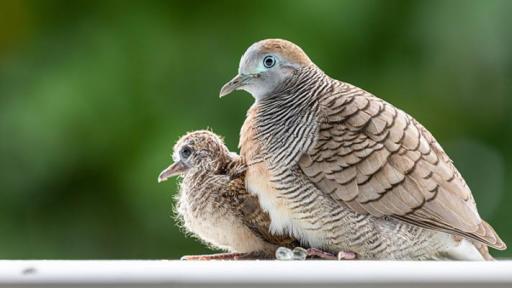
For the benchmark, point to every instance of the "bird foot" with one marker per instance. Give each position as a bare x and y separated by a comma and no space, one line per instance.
342,255
347,255
227,256
219,256
317,253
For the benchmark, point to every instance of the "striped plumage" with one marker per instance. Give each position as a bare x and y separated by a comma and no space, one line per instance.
212,203
341,169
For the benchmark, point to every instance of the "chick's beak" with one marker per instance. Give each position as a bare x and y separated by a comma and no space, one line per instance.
173,170
235,84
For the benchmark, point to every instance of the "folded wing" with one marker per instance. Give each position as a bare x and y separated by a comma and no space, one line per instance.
377,159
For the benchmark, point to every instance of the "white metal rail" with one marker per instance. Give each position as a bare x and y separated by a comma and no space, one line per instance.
163,273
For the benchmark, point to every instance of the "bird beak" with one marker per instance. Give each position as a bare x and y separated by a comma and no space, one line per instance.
236,83
175,169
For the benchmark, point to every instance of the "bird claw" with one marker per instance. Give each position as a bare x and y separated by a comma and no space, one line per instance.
346,255
315,252
342,255
219,256
227,256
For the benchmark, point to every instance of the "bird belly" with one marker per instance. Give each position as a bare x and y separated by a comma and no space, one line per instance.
463,250
403,241
225,232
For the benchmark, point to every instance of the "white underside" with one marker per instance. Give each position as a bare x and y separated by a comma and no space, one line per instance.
464,250
224,232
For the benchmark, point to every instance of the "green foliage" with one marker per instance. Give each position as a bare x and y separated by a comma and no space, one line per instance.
93,95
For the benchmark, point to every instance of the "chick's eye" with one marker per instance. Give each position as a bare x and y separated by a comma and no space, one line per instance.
269,61
185,152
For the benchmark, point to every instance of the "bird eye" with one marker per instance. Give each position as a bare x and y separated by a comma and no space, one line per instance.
269,61
185,152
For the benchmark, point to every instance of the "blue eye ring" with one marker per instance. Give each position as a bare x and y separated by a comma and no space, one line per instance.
269,61
185,152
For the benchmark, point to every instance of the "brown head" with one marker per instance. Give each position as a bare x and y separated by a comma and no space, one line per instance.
265,65
199,149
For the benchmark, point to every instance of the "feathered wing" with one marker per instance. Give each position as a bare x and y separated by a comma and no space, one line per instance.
377,159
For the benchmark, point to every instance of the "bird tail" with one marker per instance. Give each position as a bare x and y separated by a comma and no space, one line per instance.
487,235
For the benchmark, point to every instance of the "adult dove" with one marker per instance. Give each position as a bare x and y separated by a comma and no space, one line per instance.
343,170
213,204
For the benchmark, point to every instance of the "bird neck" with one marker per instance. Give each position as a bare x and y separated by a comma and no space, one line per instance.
296,96
295,104
305,84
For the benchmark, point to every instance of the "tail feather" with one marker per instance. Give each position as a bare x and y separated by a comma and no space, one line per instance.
483,233
488,236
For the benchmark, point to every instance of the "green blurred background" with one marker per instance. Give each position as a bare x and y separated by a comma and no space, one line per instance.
93,95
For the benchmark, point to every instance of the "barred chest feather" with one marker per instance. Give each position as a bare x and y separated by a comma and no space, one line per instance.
259,182
258,178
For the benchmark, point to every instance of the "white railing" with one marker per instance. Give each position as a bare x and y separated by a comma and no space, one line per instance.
163,273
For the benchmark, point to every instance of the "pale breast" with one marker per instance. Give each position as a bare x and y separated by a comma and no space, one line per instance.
258,182
258,178
222,230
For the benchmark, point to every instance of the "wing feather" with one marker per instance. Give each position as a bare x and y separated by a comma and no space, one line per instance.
377,159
